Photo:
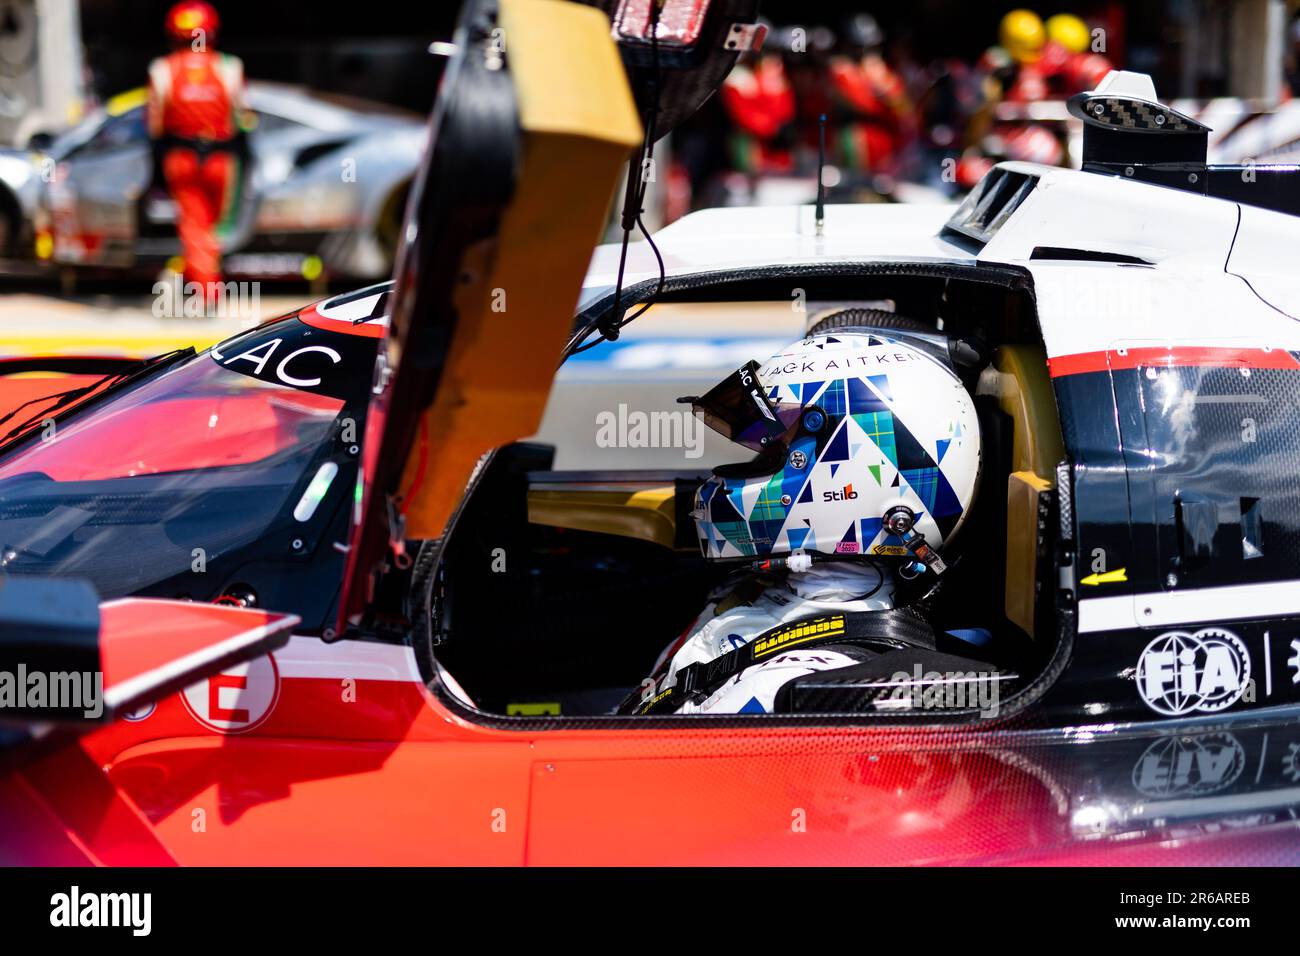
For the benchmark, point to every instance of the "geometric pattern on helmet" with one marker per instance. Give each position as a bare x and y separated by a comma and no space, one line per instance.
909,455
947,508
900,429
831,399
922,473
924,482
837,449
768,514
804,391
868,394
879,427
730,523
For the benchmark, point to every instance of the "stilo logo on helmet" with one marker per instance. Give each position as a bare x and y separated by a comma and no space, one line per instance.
865,444
845,494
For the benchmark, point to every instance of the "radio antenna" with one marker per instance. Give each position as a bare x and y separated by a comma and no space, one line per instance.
821,174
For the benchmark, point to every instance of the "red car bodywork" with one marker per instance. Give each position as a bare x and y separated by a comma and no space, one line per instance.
377,770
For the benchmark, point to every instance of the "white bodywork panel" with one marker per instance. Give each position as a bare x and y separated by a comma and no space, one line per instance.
1185,297
749,237
1264,255
1215,272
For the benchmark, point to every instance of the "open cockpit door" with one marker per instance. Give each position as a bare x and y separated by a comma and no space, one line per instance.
534,120
532,123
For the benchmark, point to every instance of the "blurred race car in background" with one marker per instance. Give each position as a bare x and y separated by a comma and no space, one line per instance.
322,195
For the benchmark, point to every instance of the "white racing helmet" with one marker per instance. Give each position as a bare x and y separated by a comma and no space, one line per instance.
849,426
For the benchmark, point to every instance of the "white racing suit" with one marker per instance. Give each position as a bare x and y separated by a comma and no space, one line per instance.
730,620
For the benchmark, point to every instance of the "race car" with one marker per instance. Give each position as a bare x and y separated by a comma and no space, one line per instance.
323,191
409,648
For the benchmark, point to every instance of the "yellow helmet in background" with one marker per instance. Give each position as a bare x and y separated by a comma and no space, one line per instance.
1069,31
1022,35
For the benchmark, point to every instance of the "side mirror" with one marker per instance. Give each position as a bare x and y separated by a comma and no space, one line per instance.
49,649
69,663
698,42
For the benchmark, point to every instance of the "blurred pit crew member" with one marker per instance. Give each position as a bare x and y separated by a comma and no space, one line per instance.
950,106
1068,64
196,102
1012,64
1033,62
852,429
760,103
870,110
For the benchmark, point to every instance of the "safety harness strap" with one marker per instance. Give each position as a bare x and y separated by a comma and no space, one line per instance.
898,628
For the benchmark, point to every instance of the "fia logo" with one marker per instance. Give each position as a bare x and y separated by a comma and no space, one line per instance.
1179,673
845,494
1183,766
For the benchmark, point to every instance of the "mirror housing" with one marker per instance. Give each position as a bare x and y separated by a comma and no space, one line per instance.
48,626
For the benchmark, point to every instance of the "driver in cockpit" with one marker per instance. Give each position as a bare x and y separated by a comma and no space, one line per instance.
868,456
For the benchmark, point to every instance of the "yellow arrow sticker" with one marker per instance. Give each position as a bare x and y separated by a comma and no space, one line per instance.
1110,577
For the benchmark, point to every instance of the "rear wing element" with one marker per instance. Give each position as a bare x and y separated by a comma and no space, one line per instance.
1128,132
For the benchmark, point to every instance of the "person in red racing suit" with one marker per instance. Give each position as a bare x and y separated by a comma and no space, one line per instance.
760,103
870,106
196,98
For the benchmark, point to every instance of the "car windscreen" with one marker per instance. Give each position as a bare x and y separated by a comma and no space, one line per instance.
198,463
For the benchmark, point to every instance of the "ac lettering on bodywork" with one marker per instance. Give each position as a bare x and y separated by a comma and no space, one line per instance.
283,375
259,360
